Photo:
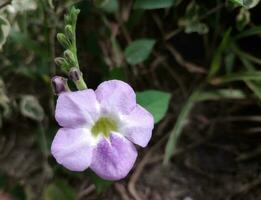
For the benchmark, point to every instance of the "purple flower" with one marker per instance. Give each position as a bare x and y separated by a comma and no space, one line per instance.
99,128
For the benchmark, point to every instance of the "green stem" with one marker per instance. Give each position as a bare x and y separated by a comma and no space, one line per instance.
80,84
74,45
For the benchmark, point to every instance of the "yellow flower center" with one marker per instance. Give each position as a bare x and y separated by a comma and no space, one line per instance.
104,126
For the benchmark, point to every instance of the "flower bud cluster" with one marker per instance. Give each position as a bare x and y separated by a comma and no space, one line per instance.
69,61
68,41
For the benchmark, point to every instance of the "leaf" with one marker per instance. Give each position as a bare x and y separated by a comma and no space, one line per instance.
244,55
229,61
31,108
50,3
153,4
249,32
25,5
221,94
246,3
242,76
242,19
138,51
4,31
216,62
109,6
156,102
59,190
117,73
5,108
191,21
180,123
28,43
196,27
255,87
100,3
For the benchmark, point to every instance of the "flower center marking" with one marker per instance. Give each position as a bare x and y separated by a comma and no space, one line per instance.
104,126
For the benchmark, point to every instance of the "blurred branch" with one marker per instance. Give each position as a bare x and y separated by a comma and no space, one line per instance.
85,192
191,67
5,4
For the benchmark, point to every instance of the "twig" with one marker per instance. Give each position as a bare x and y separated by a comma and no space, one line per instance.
122,191
253,118
246,188
5,4
191,67
135,176
249,155
86,191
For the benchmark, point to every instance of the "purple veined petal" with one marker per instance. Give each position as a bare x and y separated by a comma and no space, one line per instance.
116,96
75,109
137,126
113,158
73,148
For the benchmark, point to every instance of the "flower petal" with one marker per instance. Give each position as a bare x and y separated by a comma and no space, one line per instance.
137,126
72,148
113,158
116,96
75,109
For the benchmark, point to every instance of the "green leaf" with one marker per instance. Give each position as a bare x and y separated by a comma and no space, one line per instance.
242,76
25,5
221,94
21,39
180,123
191,21
5,108
156,102
100,3
4,31
59,190
249,32
229,61
153,4
138,51
242,19
109,6
246,3
196,27
244,55
216,62
117,73
31,108
255,86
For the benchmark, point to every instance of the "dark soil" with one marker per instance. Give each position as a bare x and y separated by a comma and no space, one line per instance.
218,158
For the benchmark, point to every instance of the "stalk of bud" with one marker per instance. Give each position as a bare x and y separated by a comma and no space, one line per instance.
76,76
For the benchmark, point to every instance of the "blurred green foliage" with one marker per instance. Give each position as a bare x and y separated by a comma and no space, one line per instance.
199,49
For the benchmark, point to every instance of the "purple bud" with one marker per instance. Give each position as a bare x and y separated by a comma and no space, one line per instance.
59,84
75,74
